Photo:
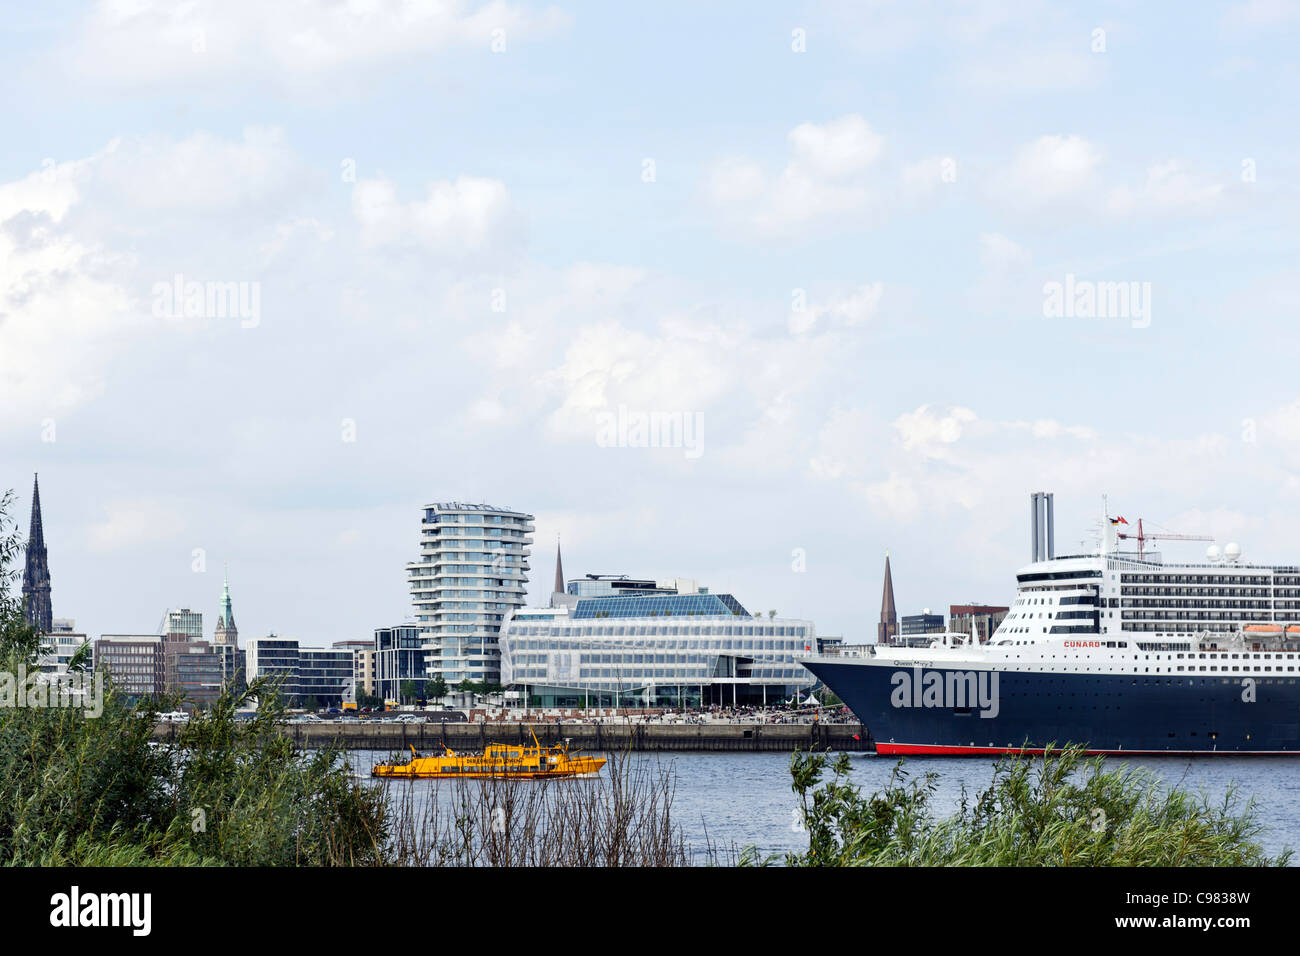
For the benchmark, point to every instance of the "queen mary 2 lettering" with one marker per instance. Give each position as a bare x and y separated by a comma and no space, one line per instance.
1115,650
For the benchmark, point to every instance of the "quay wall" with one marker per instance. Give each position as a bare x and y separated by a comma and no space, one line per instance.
651,737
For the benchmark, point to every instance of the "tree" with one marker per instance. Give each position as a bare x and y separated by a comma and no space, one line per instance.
408,691
435,689
17,636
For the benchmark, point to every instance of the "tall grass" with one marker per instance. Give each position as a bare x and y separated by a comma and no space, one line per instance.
621,817
1058,809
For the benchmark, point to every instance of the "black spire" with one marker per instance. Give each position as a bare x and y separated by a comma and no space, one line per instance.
36,575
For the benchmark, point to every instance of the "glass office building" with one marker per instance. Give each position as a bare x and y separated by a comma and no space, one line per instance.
326,676
673,645
323,676
399,657
471,573
184,621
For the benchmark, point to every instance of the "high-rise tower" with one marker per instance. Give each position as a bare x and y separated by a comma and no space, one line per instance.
472,569
36,575
887,629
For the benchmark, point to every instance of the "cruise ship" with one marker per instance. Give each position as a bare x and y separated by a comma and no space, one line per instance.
1115,650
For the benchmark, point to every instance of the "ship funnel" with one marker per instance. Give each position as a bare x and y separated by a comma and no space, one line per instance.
1042,525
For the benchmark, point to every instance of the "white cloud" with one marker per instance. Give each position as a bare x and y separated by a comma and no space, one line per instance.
61,309
926,432
1262,13
924,178
143,42
469,214
825,178
1001,254
1035,71
1169,187
1051,170
833,150
854,308
134,522
200,173
1004,284
948,463
683,366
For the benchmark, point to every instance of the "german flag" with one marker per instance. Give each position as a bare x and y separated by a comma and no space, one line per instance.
1118,521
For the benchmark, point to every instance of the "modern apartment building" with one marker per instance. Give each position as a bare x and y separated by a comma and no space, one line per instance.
399,657
325,676
363,657
273,657
472,571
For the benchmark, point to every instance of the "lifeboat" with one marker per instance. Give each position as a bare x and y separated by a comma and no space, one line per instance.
497,760
1263,630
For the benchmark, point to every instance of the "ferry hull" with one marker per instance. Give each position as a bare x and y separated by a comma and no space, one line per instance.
1132,714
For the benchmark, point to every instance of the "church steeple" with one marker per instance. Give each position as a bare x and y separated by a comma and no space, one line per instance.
559,568
226,632
887,629
36,574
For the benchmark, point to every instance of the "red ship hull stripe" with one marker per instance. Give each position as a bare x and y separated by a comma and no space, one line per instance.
941,750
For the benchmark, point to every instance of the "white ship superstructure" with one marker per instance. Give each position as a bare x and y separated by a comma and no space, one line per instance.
1116,649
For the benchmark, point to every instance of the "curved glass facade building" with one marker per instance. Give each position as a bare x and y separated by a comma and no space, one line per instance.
472,571
670,645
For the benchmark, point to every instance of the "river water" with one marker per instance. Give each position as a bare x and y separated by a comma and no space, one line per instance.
744,799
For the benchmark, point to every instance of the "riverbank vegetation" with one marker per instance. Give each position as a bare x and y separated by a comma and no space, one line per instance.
623,817
78,789
1061,809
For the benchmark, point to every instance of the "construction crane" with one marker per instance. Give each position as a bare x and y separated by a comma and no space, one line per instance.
1142,538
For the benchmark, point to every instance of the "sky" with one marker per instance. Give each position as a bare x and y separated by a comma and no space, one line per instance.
432,251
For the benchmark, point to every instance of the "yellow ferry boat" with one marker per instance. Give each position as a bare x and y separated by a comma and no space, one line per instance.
497,760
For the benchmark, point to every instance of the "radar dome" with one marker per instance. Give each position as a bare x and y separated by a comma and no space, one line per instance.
1212,552
1232,551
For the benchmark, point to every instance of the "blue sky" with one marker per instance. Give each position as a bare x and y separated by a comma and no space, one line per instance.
386,180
